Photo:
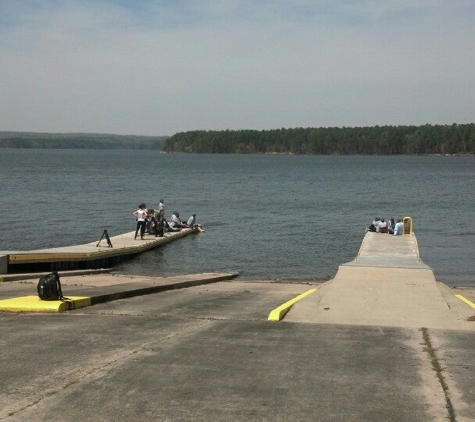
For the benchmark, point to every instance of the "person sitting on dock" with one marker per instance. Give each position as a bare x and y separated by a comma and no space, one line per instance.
140,215
191,221
398,228
192,224
176,222
166,226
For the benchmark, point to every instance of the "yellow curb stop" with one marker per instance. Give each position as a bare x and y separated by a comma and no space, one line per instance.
35,304
278,313
464,299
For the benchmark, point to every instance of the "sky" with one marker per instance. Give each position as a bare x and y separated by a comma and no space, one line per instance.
158,67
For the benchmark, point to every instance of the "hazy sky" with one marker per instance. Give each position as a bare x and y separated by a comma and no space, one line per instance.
165,66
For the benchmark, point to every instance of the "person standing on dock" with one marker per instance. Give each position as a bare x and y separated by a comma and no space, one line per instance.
140,215
161,208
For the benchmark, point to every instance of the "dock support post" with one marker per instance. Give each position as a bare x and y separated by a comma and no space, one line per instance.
3,264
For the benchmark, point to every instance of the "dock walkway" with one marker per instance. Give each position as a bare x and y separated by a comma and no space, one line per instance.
87,256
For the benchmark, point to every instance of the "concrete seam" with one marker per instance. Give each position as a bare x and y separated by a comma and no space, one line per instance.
438,370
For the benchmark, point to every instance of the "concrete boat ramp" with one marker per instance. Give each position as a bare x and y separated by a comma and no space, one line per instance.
382,341
387,284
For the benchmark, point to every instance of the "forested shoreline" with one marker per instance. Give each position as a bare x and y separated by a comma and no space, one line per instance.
79,141
455,139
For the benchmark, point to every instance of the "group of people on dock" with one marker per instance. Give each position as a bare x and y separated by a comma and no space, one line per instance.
153,221
379,225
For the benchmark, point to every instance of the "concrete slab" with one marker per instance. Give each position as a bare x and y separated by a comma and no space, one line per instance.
130,368
98,288
393,297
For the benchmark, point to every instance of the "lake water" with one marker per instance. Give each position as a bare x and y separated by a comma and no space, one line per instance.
267,217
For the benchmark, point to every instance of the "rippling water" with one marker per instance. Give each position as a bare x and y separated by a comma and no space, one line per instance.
267,217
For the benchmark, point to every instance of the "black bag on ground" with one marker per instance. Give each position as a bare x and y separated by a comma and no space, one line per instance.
49,287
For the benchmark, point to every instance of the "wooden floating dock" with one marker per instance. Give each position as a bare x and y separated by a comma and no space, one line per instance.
88,256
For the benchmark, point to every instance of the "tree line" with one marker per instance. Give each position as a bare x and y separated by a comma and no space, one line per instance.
79,141
455,139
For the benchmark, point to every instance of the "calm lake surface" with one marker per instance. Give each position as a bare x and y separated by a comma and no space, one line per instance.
267,217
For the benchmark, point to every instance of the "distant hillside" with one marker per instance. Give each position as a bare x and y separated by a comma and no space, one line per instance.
79,141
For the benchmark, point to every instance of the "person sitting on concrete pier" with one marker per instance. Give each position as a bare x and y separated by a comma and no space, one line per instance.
398,228
374,225
383,226
391,225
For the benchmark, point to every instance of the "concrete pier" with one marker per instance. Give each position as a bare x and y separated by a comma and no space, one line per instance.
387,284
86,256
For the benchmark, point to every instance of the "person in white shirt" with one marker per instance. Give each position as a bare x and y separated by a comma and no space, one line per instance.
383,226
176,222
140,215
374,225
191,221
161,207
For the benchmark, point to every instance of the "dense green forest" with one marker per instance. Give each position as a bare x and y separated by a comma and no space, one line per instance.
456,139
79,141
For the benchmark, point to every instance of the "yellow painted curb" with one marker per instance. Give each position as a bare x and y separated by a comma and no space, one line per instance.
278,313
35,304
468,302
